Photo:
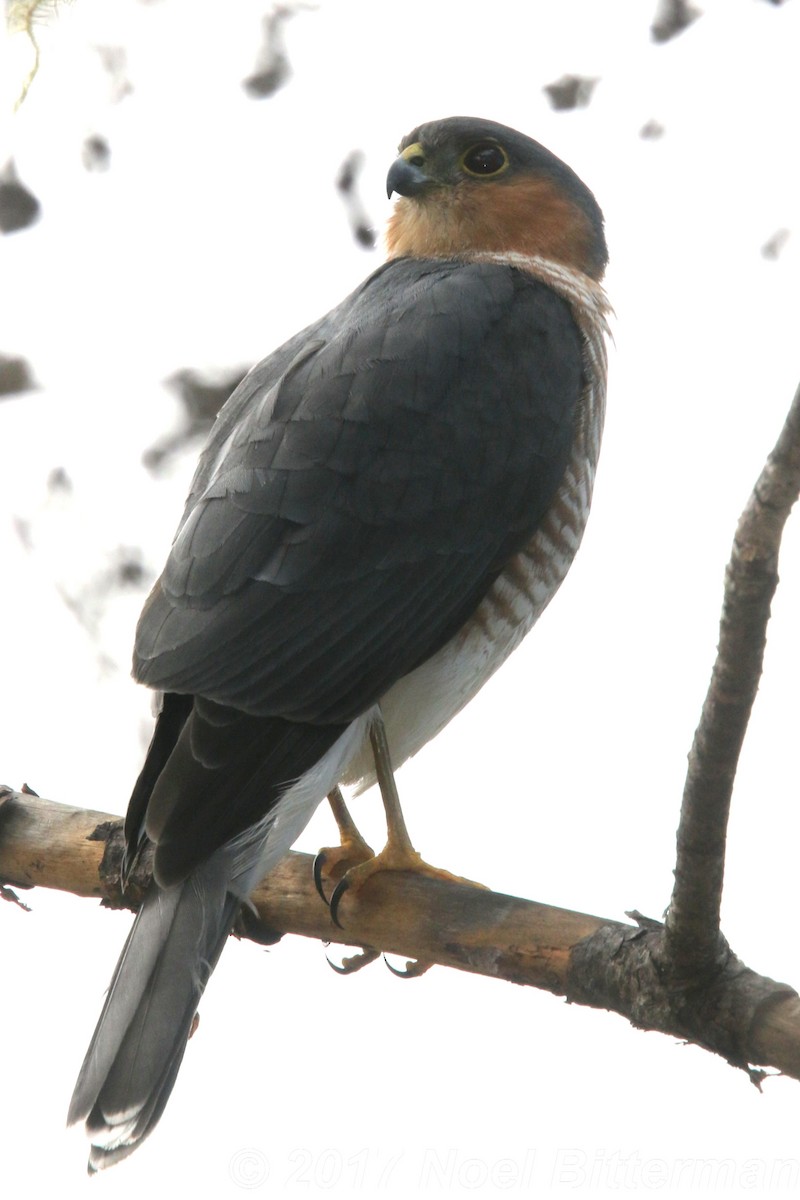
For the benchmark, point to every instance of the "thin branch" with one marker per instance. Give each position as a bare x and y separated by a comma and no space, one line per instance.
745,1017
693,939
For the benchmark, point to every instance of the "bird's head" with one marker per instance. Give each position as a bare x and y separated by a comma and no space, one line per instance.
469,185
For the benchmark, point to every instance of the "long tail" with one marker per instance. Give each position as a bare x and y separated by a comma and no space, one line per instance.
137,1048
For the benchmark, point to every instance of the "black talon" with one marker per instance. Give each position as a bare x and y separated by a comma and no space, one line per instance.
319,863
354,963
335,900
414,968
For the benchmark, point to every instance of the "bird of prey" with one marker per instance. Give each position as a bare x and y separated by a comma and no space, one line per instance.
384,507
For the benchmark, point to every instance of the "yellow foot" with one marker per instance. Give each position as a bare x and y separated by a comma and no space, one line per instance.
333,862
391,858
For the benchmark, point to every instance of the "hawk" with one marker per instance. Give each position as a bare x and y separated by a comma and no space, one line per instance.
384,507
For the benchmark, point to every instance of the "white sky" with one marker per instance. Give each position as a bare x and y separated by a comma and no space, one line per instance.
215,234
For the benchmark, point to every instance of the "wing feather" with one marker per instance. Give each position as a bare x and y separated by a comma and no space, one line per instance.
364,490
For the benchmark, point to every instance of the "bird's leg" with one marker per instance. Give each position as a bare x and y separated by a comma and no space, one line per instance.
398,854
398,846
331,861
351,851
348,830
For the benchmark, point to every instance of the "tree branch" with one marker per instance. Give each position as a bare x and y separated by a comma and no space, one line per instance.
740,1015
692,928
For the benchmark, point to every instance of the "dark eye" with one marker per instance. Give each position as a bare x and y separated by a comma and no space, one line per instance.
487,158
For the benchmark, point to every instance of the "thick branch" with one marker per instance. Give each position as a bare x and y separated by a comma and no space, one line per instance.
745,1017
693,939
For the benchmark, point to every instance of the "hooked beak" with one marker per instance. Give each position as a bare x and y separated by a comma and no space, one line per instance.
407,174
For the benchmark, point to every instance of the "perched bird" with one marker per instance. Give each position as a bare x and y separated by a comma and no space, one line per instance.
383,509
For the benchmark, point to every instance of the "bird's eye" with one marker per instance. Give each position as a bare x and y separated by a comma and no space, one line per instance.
486,159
